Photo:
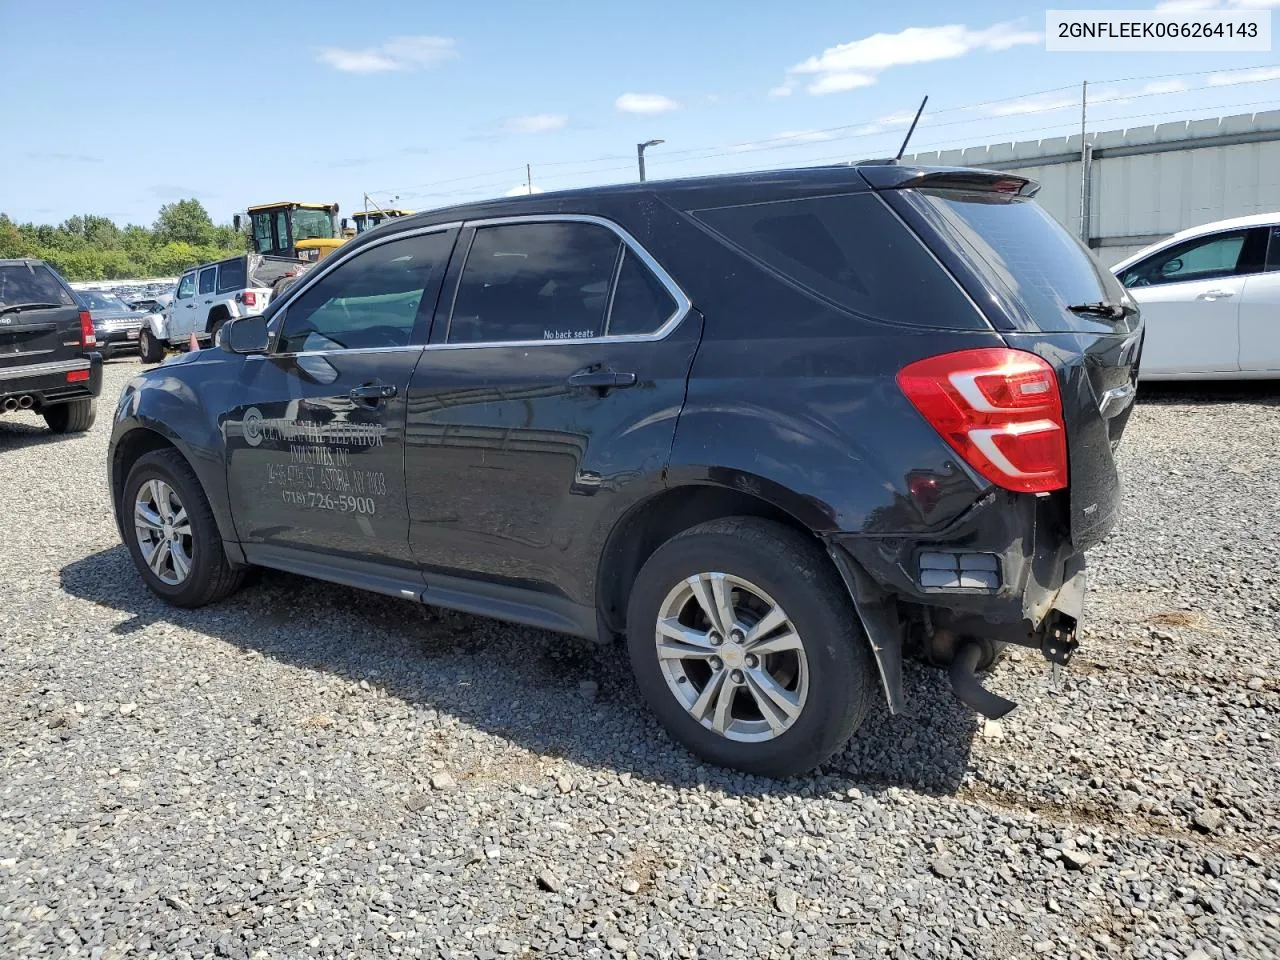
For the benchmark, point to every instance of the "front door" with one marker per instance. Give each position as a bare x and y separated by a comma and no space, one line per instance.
1190,295
182,311
315,445
554,383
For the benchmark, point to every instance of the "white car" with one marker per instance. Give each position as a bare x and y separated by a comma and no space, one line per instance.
1210,297
208,296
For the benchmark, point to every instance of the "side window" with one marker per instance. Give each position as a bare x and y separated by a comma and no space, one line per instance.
640,303
187,286
208,280
372,300
1273,249
535,281
262,231
231,275
1204,258
282,229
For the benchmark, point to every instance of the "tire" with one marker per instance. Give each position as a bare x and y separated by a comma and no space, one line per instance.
769,563
149,348
209,574
213,330
75,416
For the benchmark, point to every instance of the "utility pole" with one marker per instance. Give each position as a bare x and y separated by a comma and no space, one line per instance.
528,179
1084,164
640,148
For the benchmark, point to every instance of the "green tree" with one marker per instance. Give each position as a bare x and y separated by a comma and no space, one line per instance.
12,243
186,221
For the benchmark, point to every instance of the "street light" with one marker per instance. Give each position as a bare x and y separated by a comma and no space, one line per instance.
640,153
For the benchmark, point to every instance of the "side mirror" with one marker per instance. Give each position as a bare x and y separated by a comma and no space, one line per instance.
235,222
346,223
244,335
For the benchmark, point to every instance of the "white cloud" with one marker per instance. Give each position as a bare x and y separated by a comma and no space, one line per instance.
523,189
1190,6
856,64
782,90
1166,86
1043,103
1244,76
536,123
398,53
645,103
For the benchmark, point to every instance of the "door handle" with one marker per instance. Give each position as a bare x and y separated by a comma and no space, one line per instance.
1216,295
601,379
372,392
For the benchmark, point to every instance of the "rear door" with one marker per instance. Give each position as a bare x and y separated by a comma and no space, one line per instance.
554,381
39,317
1260,313
1026,271
1190,294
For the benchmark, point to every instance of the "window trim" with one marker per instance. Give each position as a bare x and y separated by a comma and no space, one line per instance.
331,263
682,308
1206,238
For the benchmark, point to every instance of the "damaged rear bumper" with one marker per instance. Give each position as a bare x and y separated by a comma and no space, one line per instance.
1005,572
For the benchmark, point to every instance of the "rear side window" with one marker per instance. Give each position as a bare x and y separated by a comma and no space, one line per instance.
22,283
1023,249
1273,249
231,275
851,250
535,281
641,304
208,280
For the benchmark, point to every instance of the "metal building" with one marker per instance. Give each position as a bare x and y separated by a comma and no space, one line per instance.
1145,183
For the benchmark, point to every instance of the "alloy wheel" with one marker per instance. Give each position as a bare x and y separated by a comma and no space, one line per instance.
163,531
731,656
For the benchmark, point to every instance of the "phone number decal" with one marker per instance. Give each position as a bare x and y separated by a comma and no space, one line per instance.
340,503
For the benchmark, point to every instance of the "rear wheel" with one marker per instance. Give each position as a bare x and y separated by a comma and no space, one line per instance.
746,645
214,327
76,416
171,534
149,348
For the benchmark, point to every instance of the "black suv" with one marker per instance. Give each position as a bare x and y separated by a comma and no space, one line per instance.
777,429
48,358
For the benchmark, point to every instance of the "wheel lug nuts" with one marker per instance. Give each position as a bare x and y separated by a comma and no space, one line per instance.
736,636
752,661
716,639
716,663
736,676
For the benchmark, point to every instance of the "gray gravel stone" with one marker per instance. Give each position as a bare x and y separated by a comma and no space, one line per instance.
277,775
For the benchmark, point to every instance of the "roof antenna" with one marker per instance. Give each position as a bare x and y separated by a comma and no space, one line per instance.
907,139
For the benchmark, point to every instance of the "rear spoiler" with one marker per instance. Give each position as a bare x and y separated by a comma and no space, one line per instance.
885,176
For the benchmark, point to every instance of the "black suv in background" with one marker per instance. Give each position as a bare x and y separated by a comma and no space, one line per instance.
778,430
48,362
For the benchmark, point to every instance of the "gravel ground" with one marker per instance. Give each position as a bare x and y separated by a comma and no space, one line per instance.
308,771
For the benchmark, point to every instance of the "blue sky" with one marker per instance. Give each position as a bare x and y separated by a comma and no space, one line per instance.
246,103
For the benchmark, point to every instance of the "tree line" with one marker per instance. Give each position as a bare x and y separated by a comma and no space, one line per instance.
90,247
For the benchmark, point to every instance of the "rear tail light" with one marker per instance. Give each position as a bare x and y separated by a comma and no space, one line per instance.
87,336
248,298
76,376
998,408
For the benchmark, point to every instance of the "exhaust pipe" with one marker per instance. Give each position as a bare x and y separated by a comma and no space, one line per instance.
969,690
10,404
26,403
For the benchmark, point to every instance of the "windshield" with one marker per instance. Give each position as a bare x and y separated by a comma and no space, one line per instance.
101,301
1015,241
312,225
367,221
22,283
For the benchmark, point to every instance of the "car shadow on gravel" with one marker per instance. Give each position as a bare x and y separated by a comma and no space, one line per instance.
21,436
1260,392
544,692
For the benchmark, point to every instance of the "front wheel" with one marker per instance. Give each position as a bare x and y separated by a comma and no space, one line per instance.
149,348
75,416
746,645
171,534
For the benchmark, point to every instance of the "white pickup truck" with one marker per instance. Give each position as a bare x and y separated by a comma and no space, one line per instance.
208,296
